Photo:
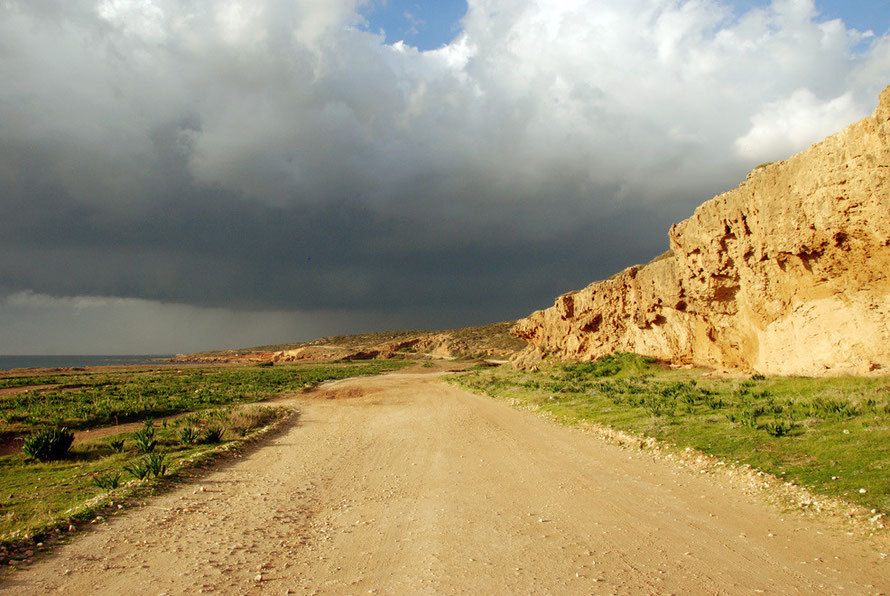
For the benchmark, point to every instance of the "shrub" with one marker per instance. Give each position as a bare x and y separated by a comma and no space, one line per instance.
714,402
138,469
840,409
188,435
156,464
153,464
145,439
108,481
778,428
48,443
659,407
749,416
212,435
117,445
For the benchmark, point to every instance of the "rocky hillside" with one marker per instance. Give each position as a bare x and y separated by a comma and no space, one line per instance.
488,341
787,274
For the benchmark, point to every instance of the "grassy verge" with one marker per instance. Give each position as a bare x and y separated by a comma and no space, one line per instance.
82,401
41,498
830,435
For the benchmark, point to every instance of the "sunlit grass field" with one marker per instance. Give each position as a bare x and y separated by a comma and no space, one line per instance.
181,414
86,400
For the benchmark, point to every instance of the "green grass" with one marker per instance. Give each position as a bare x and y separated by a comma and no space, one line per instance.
37,496
24,381
831,435
85,401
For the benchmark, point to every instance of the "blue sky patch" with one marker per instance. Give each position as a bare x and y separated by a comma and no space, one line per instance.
863,15
424,25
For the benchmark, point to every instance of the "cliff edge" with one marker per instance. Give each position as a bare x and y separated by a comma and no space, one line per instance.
788,274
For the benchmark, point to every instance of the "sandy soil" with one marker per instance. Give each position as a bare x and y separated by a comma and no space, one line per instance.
402,484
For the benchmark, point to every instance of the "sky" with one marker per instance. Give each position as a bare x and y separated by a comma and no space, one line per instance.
187,175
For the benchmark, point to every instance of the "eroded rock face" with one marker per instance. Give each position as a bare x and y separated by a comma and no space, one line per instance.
787,274
440,345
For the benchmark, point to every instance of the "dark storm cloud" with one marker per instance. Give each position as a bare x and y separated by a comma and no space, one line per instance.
273,156
224,251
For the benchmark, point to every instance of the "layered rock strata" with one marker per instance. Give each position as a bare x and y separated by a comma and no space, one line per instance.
787,274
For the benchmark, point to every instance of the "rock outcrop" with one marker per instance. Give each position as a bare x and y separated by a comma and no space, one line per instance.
442,344
787,274
492,341
230,357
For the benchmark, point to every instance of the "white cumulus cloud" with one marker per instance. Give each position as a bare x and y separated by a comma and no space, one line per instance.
783,127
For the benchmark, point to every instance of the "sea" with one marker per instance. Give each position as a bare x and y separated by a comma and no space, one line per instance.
57,361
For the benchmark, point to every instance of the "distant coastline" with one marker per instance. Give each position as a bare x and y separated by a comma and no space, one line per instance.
65,361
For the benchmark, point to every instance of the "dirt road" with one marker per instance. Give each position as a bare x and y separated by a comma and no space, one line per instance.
402,484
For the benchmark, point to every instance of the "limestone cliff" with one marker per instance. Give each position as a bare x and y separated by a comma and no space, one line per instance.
787,274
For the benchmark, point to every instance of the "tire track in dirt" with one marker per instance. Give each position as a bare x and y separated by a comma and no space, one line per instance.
403,484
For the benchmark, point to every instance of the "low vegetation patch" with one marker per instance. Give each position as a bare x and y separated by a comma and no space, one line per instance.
831,435
38,495
82,401
48,443
52,481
